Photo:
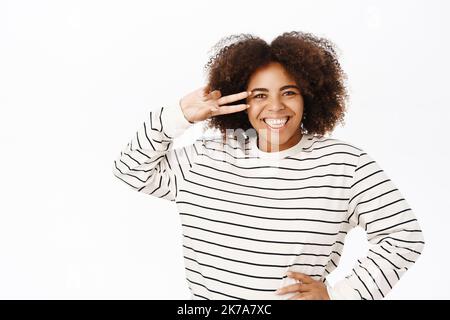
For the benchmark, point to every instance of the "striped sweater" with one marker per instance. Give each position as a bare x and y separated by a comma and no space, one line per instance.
249,216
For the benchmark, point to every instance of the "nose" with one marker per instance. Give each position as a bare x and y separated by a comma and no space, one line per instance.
275,104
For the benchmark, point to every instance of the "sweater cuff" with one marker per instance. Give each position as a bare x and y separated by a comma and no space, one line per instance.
342,291
174,121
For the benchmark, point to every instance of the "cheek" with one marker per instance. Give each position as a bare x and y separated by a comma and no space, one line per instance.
252,115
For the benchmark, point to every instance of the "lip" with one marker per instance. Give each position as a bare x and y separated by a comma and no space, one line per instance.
277,129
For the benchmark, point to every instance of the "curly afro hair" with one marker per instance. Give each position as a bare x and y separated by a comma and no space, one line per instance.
311,60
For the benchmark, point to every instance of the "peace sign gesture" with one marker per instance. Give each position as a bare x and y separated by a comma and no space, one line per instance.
200,105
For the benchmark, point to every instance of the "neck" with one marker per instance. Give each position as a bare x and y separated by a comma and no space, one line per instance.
266,146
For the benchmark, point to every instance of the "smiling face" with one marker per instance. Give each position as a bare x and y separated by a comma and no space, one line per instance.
276,108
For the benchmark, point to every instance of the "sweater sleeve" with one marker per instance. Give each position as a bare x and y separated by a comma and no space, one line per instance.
393,232
147,163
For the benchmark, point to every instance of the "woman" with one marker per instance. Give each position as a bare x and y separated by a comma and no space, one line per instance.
266,205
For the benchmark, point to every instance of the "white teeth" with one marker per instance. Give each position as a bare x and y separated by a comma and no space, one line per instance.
276,123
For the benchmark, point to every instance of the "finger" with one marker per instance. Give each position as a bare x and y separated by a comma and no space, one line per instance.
230,109
300,276
233,97
216,94
296,287
301,296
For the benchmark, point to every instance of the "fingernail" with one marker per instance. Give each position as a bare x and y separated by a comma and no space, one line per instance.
248,106
289,273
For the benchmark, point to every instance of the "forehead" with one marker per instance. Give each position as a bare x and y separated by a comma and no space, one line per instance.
271,75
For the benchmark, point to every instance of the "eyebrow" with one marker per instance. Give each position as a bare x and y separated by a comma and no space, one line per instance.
281,89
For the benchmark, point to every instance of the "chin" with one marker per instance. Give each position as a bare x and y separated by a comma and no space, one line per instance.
283,140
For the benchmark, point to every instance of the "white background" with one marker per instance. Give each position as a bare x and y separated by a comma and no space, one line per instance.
78,77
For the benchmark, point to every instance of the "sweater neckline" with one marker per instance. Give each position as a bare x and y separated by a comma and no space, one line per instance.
277,155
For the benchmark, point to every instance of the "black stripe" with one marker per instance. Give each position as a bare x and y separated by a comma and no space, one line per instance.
401,240
306,149
379,254
335,265
126,182
151,121
359,160
382,207
368,176
363,283
276,278
160,121
137,138
157,188
260,206
127,174
210,290
224,151
264,188
144,154
145,130
278,178
362,298
136,170
263,197
260,252
168,163
262,240
138,163
365,201
381,246
366,164
126,165
392,245
228,283
318,140
219,139
185,152
398,277
368,189
395,225
238,273
176,185
200,296
143,170
259,217
381,270
277,167
336,253
381,292
235,260
257,228
164,195
404,257
325,155
386,217
141,188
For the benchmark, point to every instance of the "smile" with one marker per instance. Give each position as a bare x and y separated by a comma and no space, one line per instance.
276,123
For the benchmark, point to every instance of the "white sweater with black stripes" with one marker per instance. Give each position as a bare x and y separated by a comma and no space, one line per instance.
250,216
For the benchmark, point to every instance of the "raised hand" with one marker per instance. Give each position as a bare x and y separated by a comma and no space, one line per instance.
200,105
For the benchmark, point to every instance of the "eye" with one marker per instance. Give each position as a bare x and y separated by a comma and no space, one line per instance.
291,92
260,94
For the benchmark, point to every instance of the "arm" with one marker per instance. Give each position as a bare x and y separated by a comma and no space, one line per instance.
394,234
147,162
